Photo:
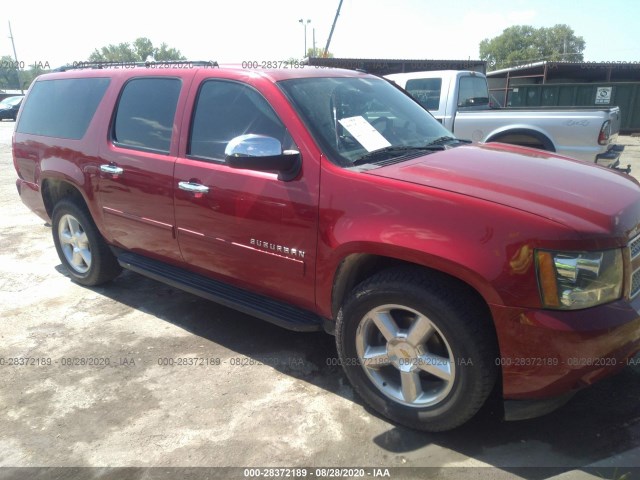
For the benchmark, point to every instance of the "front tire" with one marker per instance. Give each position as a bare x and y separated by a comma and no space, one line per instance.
81,248
418,348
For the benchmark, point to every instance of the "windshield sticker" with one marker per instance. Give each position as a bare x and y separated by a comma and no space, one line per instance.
364,133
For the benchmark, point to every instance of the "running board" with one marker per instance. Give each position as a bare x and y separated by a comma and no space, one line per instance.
265,308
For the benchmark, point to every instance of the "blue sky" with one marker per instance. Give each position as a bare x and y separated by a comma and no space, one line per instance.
64,31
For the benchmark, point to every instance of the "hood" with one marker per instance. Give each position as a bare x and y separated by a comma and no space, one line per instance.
581,196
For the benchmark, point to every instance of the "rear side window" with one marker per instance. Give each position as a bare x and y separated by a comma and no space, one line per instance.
426,91
473,92
62,108
145,113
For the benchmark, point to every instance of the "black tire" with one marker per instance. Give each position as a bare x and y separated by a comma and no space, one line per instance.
84,254
462,336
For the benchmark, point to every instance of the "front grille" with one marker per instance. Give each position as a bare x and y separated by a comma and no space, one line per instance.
635,284
634,247
634,252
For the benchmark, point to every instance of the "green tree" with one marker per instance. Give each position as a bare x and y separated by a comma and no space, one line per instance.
522,44
8,75
35,69
317,52
138,51
16,78
165,53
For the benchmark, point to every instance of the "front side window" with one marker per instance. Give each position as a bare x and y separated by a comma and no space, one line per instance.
62,108
354,117
145,114
225,110
426,91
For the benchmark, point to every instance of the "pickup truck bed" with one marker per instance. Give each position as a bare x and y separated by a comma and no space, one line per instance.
460,101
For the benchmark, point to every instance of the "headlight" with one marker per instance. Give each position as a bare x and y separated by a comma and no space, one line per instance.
574,280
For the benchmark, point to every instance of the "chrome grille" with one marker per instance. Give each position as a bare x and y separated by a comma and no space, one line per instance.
634,247
635,284
634,253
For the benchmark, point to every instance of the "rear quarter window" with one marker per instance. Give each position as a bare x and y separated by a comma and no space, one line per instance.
62,108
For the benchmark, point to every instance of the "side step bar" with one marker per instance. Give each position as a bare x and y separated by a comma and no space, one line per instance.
278,313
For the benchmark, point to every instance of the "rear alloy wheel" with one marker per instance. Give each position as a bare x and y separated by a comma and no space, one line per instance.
418,348
74,244
81,248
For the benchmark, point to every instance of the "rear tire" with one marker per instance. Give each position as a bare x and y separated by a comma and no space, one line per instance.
81,248
418,348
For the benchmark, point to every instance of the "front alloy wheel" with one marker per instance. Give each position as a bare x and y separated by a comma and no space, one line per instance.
405,356
419,347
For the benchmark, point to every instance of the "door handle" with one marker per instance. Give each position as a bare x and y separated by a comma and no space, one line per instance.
111,169
193,187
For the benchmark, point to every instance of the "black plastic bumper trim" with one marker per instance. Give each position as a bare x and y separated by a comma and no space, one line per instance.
525,409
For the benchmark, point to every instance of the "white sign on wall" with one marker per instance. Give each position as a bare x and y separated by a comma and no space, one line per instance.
603,95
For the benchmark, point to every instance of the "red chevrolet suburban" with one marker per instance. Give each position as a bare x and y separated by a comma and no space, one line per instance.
329,199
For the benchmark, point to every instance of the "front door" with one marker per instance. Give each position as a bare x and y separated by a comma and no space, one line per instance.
246,227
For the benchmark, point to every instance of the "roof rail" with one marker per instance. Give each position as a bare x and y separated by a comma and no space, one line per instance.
149,64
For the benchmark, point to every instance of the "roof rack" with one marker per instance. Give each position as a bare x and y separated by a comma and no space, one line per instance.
149,64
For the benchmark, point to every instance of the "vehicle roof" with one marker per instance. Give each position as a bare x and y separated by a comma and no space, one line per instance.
431,74
227,71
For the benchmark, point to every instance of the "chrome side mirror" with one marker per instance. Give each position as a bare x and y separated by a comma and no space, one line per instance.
263,153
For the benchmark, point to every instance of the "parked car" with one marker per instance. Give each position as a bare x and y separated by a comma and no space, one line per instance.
9,107
460,101
329,199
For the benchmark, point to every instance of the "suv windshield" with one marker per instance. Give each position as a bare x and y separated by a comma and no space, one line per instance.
352,117
10,101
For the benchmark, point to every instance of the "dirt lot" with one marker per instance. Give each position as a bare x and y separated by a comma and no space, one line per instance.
99,390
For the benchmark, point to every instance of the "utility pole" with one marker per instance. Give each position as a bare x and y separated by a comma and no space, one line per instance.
305,34
15,56
314,41
326,49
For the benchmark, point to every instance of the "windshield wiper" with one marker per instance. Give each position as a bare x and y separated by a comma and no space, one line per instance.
398,150
443,140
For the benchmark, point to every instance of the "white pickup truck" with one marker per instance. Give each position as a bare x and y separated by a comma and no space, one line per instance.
460,101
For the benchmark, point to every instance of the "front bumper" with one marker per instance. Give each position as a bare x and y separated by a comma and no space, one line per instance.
546,354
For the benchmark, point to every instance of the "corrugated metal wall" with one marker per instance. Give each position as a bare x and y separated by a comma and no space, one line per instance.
624,95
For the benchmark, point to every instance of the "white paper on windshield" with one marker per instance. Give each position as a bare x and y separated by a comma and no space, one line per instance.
364,133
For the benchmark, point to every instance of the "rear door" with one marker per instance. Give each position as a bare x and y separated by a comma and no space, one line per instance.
136,165
246,227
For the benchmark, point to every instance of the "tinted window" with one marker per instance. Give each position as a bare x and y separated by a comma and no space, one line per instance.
62,108
426,91
225,110
473,92
144,118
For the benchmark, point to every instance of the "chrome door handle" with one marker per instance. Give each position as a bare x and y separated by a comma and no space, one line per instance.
193,187
111,169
